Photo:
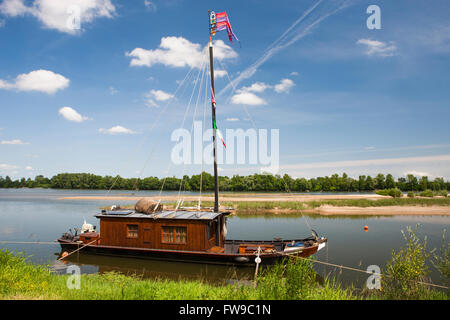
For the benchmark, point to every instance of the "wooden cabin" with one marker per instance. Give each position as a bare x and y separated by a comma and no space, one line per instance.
173,230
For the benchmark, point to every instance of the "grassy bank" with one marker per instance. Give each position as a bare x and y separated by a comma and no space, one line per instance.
299,205
22,280
403,278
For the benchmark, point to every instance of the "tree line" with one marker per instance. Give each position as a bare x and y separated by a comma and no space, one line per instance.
255,182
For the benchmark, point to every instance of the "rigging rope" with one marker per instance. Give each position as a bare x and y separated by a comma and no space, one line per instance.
188,74
182,182
182,123
204,127
256,130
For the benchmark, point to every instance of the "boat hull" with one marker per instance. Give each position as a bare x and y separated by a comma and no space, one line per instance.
236,259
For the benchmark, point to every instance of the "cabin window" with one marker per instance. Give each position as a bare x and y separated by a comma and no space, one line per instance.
174,235
211,229
132,230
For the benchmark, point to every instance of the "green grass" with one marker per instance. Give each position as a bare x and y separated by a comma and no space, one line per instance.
381,202
243,207
20,279
295,280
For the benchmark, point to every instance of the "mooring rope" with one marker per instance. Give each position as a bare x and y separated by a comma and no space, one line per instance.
77,249
28,242
363,271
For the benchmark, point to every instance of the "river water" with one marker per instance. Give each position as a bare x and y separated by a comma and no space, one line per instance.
30,215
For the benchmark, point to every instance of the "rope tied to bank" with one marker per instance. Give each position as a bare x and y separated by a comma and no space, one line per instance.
363,271
77,249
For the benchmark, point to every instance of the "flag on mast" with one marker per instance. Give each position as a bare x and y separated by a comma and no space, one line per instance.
218,22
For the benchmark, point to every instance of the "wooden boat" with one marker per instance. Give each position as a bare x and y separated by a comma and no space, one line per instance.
184,235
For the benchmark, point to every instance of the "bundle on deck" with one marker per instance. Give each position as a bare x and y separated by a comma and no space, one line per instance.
147,206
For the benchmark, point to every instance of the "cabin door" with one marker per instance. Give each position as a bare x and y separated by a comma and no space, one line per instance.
146,234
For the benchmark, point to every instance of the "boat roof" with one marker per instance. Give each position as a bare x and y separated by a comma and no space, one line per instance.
165,214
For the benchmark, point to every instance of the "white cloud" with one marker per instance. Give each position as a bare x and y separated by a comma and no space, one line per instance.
232,119
60,14
294,73
256,87
13,142
246,95
378,48
247,98
113,90
39,80
7,167
158,95
284,86
116,130
418,173
72,115
178,52
220,73
150,5
370,162
28,168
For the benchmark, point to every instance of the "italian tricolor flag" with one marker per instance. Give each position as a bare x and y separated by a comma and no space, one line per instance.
220,135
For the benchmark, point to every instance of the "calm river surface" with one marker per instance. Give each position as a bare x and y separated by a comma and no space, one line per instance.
40,215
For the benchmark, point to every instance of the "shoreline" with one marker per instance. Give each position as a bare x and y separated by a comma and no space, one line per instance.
324,209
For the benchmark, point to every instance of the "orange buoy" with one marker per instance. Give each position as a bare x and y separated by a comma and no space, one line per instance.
366,228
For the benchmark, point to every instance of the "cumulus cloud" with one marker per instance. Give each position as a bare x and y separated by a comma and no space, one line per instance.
418,173
157,95
150,5
178,52
256,87
284,86
116,130
247,98
113,90
63,15
378,48
13,142
72,115
220,73
39,80
7,167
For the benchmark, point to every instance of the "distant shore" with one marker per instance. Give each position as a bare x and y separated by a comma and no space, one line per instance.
338,204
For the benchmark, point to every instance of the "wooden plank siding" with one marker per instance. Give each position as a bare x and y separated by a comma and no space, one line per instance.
114,232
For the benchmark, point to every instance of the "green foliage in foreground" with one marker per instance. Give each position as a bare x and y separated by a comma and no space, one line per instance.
295,280
22,280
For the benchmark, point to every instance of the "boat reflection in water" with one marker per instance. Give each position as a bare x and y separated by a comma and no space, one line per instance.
156,269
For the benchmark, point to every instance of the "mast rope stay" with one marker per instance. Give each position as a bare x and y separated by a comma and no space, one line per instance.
182,125
256,130
182,182
188,75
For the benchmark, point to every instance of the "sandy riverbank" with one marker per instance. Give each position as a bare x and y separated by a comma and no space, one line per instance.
260,197
324,209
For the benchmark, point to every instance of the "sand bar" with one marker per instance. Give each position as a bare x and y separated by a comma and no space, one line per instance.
322,210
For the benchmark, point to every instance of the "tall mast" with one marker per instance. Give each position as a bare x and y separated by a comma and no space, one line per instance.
213,108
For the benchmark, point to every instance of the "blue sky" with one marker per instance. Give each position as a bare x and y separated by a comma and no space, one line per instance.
345,98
